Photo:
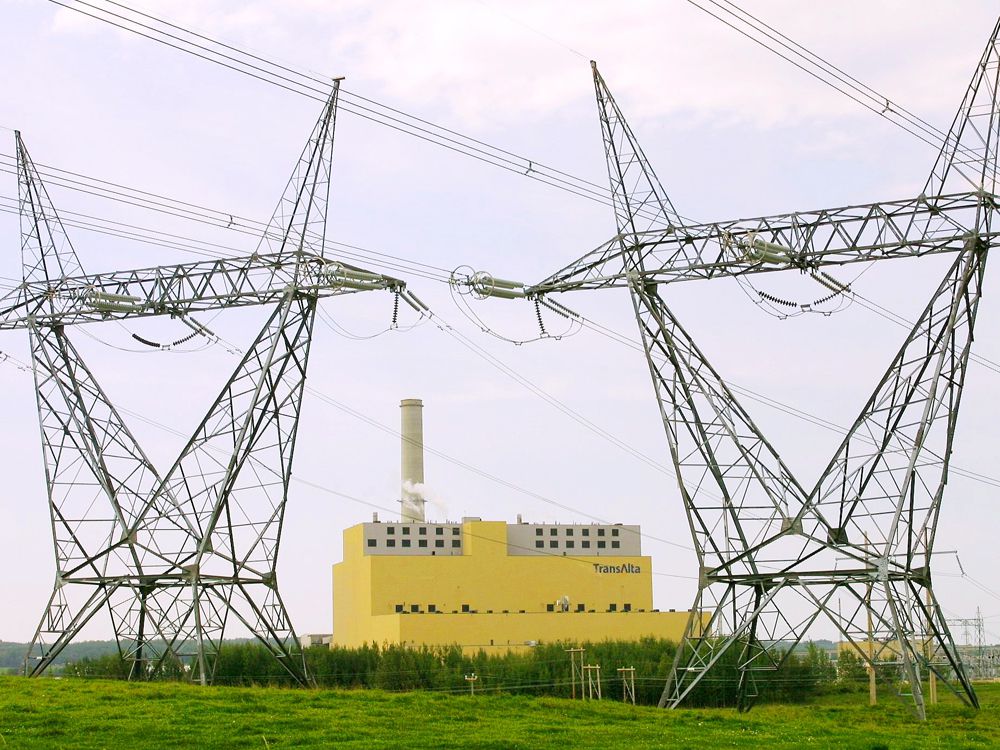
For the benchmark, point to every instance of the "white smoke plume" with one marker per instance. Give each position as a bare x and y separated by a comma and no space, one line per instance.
425,493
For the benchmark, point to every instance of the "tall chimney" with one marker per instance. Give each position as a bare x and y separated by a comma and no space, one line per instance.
412,463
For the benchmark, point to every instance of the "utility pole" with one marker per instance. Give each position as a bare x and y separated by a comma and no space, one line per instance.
628,684
592,674
575,669
980,667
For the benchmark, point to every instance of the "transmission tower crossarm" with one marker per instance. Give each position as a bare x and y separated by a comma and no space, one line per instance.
184,289
807,240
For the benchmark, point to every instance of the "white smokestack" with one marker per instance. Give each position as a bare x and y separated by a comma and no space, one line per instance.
412,463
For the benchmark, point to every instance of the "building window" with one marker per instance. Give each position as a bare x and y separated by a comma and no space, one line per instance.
390,529
439,542
600,532
433,608
406,542
540,544
390,542
586,532
581,607
569,544
602,545
538,532
406,529
553,543
422,531
456,542
399,607
465,607
550,607
439,530
454,530
616,544
569,532
422,543
612,608
585,544
414,607
371,542
553,532
626,607
614,532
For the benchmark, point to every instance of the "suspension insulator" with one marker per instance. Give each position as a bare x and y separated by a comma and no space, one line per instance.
541,323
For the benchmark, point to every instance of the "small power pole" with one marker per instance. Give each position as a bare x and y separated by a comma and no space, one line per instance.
592,675
471,679
576,669
628,683
975,654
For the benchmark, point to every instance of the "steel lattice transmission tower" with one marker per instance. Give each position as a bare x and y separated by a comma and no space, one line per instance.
176,557
768,545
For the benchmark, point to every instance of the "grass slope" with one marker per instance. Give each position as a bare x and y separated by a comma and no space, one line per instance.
46,713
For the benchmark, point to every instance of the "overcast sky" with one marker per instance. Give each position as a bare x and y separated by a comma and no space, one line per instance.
731,130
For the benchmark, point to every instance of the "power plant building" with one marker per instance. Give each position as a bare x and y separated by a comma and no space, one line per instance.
489,584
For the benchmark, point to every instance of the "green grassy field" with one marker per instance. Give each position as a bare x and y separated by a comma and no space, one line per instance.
98,714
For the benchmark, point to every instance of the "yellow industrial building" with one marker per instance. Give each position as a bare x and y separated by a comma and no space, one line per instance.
488,584
492,585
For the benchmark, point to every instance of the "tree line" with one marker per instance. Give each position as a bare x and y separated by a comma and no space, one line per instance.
541,670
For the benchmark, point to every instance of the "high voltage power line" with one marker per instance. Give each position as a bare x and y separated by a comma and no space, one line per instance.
176,208
242,225
181,243
316,87
753,28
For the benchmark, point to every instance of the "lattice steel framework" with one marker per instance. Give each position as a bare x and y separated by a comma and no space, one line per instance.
767,546
175,557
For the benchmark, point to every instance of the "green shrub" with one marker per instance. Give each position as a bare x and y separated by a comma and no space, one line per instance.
542,670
